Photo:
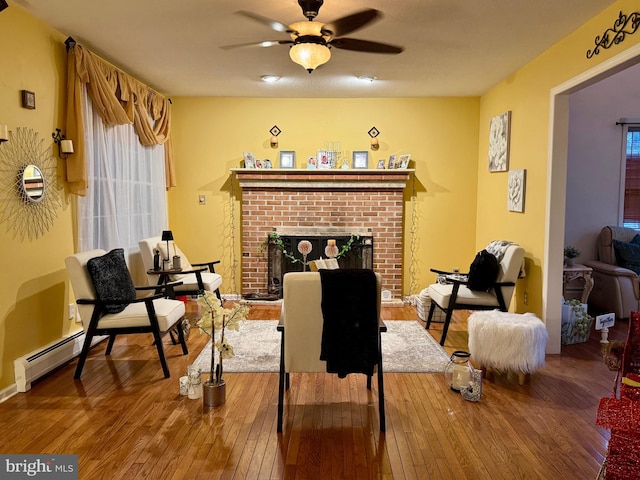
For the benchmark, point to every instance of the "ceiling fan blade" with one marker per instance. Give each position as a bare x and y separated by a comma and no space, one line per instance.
266,43
364,46
351,23
273,24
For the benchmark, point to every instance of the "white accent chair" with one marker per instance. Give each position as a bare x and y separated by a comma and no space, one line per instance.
195,277
152,314
455,295
301,325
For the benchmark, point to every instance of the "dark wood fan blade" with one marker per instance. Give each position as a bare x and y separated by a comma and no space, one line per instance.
364,46
273,24
351,23
266,43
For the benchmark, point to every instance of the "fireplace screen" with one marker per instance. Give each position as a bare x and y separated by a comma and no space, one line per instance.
353,252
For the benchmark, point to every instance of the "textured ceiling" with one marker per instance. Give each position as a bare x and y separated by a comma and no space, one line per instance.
452,47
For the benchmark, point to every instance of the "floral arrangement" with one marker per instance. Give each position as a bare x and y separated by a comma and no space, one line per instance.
214,321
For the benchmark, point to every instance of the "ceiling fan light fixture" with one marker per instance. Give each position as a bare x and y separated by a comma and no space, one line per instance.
310,55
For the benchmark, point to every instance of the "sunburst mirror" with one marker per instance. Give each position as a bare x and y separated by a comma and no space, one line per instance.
28,195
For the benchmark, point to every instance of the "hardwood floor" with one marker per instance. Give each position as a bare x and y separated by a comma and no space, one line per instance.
125,421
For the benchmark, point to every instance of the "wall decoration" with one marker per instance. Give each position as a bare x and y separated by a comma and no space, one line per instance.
28,100
516,190
28,193
499,142
623,26
392,162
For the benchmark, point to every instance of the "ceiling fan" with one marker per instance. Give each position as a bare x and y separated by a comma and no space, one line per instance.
311,41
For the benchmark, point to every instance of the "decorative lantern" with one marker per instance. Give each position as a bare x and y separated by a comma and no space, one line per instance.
474,391
459,372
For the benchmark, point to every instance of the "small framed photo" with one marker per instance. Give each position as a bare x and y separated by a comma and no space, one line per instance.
312,163
392,162
266,163
403,160
324,159
360,159
287,159
28,100
249,160
381,164
258,163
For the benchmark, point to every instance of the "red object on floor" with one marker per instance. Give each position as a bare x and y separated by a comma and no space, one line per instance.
622,415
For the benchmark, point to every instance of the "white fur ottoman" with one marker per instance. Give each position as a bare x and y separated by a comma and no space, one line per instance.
507,341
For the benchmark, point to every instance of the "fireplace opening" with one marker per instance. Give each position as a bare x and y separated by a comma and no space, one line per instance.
355,251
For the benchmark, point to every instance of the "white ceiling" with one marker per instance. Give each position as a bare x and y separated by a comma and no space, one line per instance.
452,47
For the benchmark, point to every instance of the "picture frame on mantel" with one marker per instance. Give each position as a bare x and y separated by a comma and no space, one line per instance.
287,159
360,159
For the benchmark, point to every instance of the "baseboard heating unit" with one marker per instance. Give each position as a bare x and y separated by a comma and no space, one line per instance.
46,359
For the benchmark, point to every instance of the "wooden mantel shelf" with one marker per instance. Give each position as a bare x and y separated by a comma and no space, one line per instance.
286,178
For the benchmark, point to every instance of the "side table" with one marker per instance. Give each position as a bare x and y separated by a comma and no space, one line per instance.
575,272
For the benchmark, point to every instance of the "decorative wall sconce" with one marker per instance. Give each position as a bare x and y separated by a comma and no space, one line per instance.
373,133
275,131
4,133
65,147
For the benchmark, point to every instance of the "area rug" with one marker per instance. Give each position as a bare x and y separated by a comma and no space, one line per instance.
406,347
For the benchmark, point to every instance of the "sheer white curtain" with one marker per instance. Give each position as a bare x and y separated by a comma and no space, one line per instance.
126,200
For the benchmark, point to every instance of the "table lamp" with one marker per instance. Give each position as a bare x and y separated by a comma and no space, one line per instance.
167,236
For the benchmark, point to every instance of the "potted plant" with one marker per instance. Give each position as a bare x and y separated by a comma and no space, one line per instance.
570,254
214,321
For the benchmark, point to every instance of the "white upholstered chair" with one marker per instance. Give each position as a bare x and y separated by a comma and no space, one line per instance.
455,295
102,289
301,324
195,277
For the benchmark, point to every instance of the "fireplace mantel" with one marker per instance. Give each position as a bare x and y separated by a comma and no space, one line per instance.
281,178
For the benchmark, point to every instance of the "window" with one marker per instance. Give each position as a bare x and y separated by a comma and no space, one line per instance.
631,217
126,199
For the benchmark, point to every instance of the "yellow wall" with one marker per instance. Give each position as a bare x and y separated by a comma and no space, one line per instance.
210,135
35,292
527,94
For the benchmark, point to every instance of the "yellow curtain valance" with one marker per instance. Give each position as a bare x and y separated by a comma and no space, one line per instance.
119,99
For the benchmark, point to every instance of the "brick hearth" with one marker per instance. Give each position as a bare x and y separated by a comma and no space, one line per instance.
348,200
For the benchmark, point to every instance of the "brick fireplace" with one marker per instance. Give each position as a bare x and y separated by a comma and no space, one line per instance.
321,203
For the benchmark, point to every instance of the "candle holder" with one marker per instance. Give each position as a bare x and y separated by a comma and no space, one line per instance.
331,250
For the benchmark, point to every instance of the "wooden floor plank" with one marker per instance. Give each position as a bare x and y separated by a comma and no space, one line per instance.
124,420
